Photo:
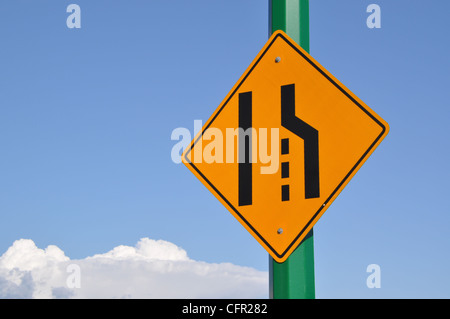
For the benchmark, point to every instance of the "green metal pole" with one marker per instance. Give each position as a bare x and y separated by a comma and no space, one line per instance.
294,278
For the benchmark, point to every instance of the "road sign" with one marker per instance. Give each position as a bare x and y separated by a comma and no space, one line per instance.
283,144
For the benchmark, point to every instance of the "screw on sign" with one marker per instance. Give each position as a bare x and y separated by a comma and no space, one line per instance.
325,133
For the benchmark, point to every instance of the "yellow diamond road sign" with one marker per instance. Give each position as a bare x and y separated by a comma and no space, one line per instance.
283,144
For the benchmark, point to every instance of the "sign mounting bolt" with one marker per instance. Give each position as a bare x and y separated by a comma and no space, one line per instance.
277,59
280,231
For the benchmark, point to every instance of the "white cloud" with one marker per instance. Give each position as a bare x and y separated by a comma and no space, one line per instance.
151,269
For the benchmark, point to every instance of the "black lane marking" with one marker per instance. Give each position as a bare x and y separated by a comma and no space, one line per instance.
284,146
285,170
309,135
245,160
284,193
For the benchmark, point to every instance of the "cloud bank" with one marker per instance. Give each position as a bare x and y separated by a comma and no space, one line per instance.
151,269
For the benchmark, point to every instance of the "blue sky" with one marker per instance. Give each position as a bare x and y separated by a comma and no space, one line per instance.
86,117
